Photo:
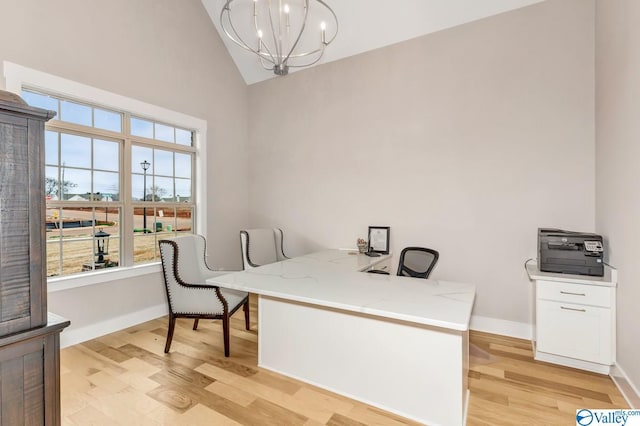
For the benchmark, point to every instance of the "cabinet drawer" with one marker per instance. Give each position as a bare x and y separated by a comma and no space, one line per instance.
575,331
574,293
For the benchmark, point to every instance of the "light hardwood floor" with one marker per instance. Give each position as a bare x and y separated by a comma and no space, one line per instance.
125,378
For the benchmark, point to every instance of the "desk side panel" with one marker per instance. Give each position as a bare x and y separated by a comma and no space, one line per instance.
415,371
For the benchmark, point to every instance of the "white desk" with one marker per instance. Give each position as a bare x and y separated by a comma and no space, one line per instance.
397,343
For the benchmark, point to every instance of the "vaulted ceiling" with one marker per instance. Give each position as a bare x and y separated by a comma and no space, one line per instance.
369,24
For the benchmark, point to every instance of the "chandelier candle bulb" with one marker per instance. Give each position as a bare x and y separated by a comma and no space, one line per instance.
323,29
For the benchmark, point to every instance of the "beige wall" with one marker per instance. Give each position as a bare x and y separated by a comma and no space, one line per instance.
618,160
163,52
466,140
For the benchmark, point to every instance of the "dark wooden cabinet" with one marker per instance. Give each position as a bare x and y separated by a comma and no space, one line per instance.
30,375
29,337
23,280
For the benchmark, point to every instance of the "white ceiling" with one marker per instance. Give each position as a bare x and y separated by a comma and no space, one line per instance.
370,24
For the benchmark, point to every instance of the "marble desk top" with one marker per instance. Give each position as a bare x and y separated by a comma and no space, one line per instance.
332,278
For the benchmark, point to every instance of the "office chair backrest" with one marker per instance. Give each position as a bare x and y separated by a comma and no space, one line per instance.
261,246
417,262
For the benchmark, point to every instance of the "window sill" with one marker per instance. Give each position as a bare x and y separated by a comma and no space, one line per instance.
55,284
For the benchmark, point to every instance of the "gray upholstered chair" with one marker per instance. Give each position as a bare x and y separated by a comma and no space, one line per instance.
261,246
185,272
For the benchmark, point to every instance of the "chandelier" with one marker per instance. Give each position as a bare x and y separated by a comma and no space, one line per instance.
281,33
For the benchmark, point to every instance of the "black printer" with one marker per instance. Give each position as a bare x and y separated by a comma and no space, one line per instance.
568,252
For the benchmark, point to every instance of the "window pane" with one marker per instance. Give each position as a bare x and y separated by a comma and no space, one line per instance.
183,165
144,246
107,221
53,255
105,155
76,230
144,236
184,220
162,189
140,154
184,137
142,128
183,190
106,186
163,162
76,184
164,133
75,113
137,187
165,222
41,101
51,147
77,255
51,183
53,237
107,120
75,150
142,218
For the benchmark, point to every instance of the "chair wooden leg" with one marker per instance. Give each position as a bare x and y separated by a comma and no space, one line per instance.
195,324
172,326
245,308
225,329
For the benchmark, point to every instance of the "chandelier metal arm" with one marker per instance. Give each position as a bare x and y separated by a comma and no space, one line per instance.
304,24
310,63
277,45
271,58
238,39
335,18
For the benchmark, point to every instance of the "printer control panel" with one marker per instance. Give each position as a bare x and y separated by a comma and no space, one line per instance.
593,246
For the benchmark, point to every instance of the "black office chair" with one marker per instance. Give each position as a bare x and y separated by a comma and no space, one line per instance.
416,262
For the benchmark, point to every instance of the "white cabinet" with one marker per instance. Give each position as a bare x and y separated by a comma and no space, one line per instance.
575,322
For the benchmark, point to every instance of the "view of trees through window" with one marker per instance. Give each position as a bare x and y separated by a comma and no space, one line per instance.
103,212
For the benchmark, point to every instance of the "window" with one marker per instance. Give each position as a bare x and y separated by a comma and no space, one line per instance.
115,183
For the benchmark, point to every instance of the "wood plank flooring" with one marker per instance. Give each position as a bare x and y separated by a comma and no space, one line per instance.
125,378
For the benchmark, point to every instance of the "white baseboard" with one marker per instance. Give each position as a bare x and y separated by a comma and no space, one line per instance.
626,386
504,327
73,336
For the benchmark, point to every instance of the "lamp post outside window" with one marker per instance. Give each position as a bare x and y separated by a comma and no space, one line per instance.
102,245
145,166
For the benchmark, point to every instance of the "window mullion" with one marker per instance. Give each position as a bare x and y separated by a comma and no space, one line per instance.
127,213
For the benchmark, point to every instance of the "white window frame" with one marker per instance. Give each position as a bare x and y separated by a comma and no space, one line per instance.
17,76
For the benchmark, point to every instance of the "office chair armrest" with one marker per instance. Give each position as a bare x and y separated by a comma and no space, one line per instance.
378,271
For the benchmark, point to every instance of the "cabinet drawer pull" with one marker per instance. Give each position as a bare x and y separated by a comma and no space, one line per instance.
572,294
573,309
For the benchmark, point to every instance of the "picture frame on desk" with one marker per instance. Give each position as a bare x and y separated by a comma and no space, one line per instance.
379,239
